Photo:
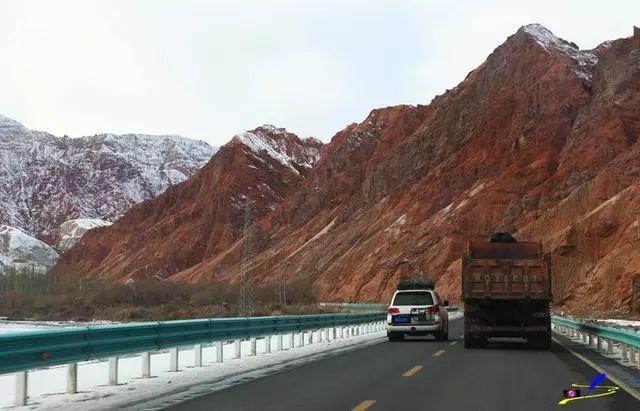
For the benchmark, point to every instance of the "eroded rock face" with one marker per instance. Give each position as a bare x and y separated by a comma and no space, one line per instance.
540,140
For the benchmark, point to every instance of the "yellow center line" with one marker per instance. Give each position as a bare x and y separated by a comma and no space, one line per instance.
412,371
439,353
364,405
452,343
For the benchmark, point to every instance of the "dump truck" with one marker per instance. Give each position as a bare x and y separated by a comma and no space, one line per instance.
506,290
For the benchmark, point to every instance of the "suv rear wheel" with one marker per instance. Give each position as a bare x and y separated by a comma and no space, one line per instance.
442,336
394,337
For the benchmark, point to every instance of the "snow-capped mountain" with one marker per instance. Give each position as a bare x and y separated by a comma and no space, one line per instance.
46,180
584,60
276,144
18,250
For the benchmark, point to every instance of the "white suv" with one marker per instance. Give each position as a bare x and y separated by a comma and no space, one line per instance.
417,312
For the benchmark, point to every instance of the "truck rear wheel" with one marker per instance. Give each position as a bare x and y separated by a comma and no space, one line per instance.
539,341
474,342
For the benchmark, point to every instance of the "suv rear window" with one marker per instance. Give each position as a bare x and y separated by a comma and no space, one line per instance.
413,298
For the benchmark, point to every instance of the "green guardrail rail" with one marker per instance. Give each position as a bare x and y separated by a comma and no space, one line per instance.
625,337
356,306
37,349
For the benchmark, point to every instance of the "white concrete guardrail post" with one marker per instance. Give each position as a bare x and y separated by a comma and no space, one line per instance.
72,378
254,346
301,339
22,385
267,344
113,371
625,353
279,341
197,353
237,344
291,340
145,359
609,346
334,332
219,351
173,359
599,344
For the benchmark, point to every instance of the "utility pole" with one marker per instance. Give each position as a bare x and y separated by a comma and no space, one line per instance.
246,284
282,284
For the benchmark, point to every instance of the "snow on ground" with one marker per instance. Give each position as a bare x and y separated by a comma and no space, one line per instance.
72,230
47,386
629,325
623,323
7,326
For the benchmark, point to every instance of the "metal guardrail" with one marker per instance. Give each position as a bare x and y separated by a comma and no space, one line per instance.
370,306
37,349
628,338
355,306
21,352
628,341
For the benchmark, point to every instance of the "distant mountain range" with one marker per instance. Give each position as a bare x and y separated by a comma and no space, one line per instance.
46,180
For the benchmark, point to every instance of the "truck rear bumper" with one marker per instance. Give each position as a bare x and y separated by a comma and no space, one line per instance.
504,329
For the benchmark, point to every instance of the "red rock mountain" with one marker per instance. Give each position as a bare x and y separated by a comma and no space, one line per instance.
540,140
202,217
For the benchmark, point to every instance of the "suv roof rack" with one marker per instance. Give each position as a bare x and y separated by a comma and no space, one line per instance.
416,284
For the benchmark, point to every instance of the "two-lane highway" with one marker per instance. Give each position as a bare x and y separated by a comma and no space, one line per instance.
422,374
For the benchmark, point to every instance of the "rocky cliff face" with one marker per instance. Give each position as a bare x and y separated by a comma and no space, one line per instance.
201,219
47,180
540,140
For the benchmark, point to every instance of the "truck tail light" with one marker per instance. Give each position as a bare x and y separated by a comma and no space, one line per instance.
433,310
393,310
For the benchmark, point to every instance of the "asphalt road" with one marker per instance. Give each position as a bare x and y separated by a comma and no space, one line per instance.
423,374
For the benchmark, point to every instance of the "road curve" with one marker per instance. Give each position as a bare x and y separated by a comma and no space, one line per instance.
422,374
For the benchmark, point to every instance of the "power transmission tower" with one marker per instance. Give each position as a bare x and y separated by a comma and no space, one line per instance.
246,284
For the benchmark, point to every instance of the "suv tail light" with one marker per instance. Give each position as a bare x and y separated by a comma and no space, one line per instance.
393,310
433,310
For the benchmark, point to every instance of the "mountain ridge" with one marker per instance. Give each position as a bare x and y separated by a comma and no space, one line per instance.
531,142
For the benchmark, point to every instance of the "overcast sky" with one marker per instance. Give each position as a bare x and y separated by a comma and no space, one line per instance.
210,69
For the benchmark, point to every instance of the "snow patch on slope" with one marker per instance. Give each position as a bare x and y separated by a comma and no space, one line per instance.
275,143
543,36
19,250
71,231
